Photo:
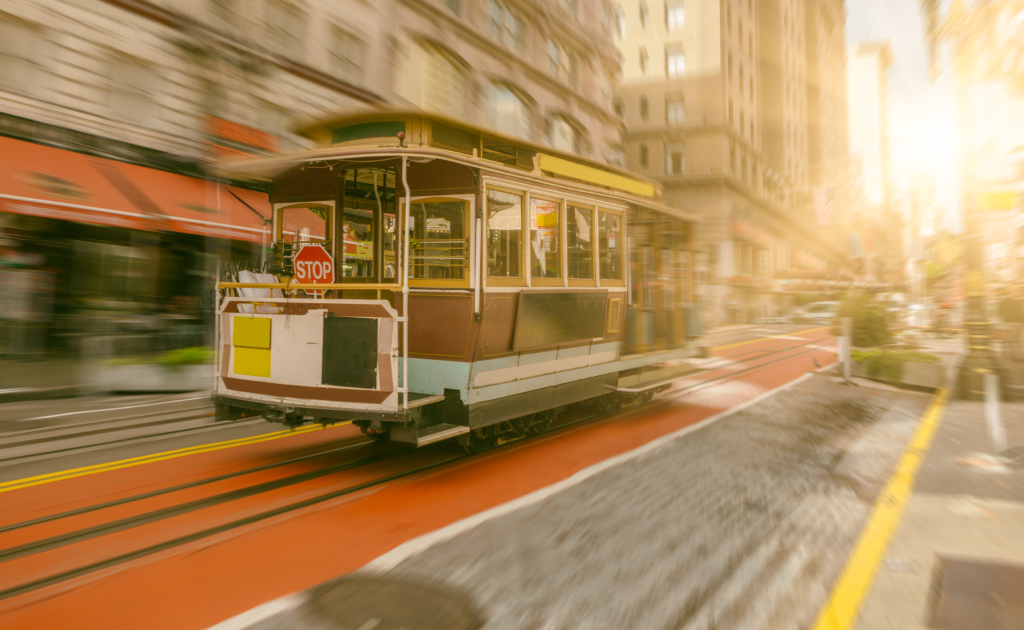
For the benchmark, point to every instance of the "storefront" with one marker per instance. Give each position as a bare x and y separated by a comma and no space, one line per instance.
92,248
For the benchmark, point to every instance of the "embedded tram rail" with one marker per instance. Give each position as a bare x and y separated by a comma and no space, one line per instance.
49,539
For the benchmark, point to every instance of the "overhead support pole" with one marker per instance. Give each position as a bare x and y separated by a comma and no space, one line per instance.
404,390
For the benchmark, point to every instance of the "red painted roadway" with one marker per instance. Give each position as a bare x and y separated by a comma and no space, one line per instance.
202,583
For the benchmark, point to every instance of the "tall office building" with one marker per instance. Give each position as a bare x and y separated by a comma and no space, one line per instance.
738,109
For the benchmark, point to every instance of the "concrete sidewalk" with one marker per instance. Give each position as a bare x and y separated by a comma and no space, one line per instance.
35,380
957,558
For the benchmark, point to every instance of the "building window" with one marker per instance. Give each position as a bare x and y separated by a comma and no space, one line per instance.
545,238
614,156
674,15
347,54
506,112
644,14
570,71
620,108
675,159
645,157
562,135
645,109
644,60
675,111
606,88
620,21
609,242
554,63
431,78
286,26
675,61
504,234
19,54
131,90
579,222
506,27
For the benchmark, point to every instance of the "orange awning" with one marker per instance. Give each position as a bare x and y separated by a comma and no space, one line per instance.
60,184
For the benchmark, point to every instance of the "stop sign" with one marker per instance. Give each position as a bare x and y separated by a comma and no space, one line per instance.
313,265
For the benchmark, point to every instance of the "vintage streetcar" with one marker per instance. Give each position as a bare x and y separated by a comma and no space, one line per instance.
429,280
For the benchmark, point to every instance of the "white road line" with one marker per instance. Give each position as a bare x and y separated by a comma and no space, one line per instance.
416,546
75,413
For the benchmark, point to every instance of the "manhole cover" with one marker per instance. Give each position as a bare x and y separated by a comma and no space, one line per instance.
379,603
968,595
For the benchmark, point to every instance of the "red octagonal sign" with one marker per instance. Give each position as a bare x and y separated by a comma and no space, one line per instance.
313,265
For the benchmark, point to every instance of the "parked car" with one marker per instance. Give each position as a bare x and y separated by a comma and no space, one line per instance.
821,313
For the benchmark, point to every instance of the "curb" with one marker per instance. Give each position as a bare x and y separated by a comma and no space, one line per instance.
23,394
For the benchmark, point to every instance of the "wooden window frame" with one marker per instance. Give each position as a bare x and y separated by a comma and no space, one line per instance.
429,283
558,281
594,261
609,282
491,281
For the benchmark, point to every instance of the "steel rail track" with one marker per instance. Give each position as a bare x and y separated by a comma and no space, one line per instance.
185,486
11,461
29,549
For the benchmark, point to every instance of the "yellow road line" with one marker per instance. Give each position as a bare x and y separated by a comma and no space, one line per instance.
790,334
156,457
843,606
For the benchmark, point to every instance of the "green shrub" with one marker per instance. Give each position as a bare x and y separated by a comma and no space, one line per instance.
885,364
196,355
870,321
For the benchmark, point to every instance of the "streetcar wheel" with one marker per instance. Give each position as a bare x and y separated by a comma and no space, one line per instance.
539,423
646,397
225,413
609,403
476,444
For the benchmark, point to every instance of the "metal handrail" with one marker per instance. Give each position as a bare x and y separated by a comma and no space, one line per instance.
306,287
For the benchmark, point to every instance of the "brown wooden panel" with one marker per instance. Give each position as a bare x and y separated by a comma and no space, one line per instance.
498,326
440,326
341,310
304,185
362,396
440,177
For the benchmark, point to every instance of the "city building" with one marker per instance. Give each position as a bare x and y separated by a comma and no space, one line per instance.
112,113
738,109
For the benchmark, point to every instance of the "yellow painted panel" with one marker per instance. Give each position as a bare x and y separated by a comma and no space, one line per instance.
251,332
252,362
592,175
1000,199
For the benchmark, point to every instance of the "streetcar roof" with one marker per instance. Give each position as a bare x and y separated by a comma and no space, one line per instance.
373,133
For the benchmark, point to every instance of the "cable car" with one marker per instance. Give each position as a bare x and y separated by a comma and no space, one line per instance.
481,284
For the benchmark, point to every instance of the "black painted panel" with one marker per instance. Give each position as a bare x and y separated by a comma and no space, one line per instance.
350,352
550,318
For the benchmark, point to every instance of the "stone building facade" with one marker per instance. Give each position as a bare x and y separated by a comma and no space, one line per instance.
735,106
149,78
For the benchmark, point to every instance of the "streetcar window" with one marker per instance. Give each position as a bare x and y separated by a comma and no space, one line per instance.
439,247
357,232
368,225
504,234
298,225
545,253
609,241
579,221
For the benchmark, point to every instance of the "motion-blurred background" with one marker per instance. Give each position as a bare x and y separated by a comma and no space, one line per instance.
769,119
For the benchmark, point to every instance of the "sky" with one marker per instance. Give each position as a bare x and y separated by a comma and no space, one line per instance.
922,114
